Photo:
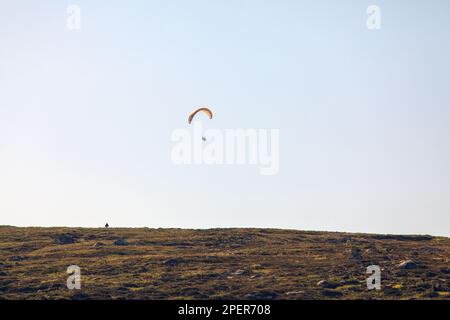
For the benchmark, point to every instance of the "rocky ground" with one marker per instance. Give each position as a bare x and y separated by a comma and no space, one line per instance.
219,264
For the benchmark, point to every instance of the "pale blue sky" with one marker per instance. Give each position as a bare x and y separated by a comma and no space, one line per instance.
364,116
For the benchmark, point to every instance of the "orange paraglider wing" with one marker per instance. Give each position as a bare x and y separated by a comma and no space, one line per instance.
207,111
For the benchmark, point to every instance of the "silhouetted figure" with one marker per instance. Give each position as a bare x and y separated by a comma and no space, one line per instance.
107,225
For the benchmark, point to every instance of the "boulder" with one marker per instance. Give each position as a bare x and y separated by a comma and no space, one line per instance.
328,285
121,242
173,262
408,264
65,239
16,258
356,253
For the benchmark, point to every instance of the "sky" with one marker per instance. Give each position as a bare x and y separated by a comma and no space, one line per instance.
86,116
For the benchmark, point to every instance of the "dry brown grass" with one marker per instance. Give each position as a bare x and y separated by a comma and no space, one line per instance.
218,264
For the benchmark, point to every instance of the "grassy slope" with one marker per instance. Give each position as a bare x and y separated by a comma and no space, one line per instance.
218,263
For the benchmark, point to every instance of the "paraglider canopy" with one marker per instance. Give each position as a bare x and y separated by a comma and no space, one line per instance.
207,111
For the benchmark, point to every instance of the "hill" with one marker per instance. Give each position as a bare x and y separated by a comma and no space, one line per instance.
143,263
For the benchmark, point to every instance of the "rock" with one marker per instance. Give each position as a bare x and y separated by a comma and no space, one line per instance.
65,239
121,242
173,262
16,258
356,253
332,293
262,295
294,293
328,285
407,264
424,286
348,241
438,287
241,272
